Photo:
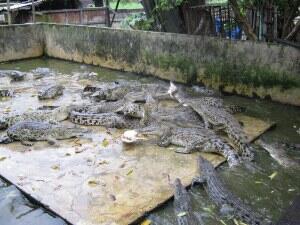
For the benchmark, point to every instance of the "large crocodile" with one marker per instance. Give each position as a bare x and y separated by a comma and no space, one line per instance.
183,206
279,154
110,120
119,91
222,196
28,131
51,92
55,115
213,113
190,139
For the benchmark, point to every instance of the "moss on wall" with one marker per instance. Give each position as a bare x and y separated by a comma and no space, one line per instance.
226,73
183,65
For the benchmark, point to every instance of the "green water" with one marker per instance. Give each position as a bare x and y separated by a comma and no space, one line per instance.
268,196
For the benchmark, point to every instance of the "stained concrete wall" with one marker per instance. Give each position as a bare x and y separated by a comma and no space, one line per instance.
21,42
246,68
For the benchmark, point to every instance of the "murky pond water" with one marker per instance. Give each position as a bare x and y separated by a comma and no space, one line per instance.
268,195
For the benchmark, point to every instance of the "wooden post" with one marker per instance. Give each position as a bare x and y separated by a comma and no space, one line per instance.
81,16
33,11
107,12
275,22
8,13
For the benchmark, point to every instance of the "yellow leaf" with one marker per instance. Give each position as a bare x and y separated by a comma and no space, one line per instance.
129,172
258,182
181,214
291,189
93,183
2,158
105,142
146,222
273,175
222,221
207,209
102,162
55,167
235,222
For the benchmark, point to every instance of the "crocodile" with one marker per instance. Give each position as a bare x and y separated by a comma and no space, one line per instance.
41,72
110,120
279,154
16,75
190,139
183,206
117,92
221,196
122,106
213,113
291,215
51,92
55,115
114,93
28,131
6,93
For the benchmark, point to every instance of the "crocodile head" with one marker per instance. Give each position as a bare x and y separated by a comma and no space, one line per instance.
3,124
100,94
63,132
178,188
205,167
132,109
61,113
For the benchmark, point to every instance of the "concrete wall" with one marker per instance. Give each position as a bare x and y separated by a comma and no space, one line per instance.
21,42
246,68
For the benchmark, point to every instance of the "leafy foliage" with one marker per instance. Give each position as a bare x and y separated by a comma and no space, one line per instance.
137,21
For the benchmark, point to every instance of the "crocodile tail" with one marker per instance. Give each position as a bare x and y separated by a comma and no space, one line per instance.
226,150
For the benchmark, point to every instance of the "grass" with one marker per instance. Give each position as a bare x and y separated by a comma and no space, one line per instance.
126,5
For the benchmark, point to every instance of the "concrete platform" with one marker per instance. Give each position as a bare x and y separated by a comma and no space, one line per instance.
99,180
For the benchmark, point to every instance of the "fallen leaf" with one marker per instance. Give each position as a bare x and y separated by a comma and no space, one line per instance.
129,172
112,197
2,158
291,189
181,214
105,142
273,175
55,167
102,162
93,183
258,182
241,223
236,222
146,222
222,221
207,209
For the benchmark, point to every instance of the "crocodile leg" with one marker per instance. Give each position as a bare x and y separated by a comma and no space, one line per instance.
27,143
52,141
5,140
198,180
164,142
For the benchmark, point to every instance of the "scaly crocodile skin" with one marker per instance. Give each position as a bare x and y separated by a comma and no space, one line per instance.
222,196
